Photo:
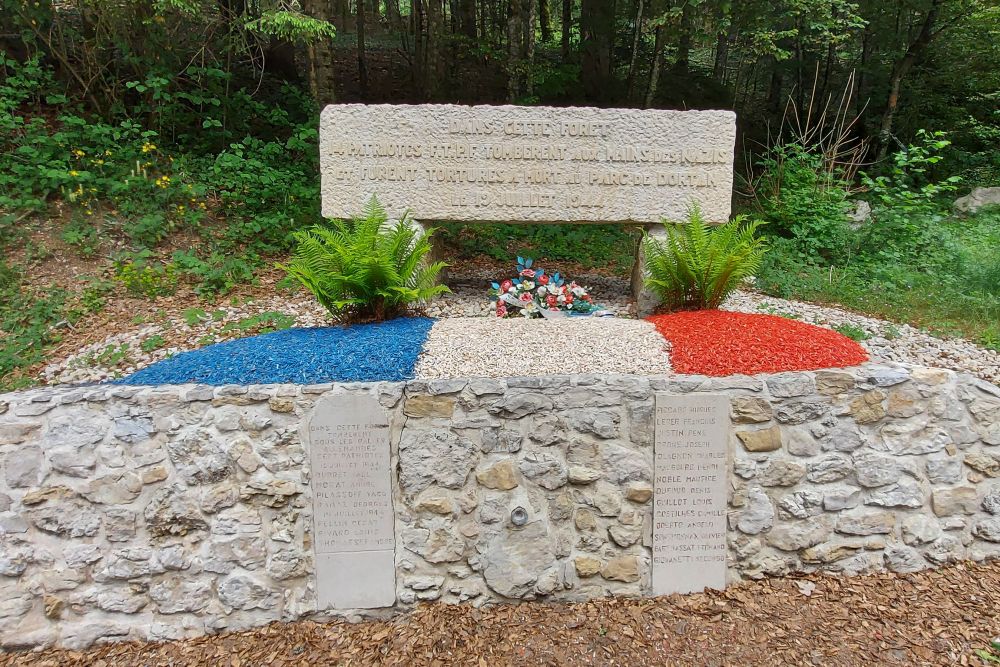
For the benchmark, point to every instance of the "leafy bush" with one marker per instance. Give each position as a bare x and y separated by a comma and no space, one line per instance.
363,269
696,266
907,206
802,200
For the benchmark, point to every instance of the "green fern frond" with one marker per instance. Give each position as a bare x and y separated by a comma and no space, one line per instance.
365,268
698,265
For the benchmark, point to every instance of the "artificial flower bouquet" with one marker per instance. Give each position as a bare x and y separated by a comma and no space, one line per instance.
534,293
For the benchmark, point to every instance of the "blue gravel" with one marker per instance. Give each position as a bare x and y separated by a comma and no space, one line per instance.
357,353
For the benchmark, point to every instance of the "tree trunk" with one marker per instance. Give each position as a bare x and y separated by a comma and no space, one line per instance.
654,70
636,37
723,39
362,63
775,86
435,33
520,48
419,19
545,20
467,12
683,61
567,28
597,23
900,69
319,54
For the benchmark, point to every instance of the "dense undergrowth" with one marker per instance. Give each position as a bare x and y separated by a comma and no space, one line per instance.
174,187
911,260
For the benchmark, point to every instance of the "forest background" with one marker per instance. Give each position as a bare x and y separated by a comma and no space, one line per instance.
166,147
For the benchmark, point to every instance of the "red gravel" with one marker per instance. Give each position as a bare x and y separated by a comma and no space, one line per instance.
720,342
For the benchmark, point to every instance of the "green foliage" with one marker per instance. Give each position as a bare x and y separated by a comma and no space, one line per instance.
240,198
852,331
142,276
697,266
291,26
361,270
990,655
154,342
592,246
30,321
907,209
217,273
956,297
260,323
802,200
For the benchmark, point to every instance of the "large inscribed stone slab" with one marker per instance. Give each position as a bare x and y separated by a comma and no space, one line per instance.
689,504
353,522
526,164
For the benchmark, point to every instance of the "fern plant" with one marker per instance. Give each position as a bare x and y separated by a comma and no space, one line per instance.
364,269
697,265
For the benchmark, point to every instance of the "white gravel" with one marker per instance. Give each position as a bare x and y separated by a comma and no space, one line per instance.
491,347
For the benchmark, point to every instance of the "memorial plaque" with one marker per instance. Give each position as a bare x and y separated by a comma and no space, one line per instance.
689,503
526,164
353,521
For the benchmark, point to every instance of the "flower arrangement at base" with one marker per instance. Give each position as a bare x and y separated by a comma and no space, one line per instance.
534,293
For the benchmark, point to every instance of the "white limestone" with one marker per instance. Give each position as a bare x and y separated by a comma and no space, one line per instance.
526,164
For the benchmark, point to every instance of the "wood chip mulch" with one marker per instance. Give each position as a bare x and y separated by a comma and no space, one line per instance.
930,618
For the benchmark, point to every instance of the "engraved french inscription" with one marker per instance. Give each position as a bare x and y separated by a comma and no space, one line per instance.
527,164
352,502
691,435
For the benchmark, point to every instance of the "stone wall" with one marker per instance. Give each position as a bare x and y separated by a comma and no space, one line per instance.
162,512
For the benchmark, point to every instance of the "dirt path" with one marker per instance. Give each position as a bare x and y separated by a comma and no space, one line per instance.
930,618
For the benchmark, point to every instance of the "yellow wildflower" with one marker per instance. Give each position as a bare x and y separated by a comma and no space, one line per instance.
163,181
74,173
77,152
148,147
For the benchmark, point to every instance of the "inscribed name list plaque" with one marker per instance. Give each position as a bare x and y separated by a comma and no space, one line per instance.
353,521
689,504
526,164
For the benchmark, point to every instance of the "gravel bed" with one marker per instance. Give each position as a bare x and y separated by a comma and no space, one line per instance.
358,353
887,341
490,347
121,352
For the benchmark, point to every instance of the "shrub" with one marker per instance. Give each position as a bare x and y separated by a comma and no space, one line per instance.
802,200
696,266
365,269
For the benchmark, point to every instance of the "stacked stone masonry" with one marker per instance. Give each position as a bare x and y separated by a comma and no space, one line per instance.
164,512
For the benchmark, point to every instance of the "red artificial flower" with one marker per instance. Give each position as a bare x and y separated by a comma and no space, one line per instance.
505,285
525,297
528,273
501,309
551,300
543,279
569,296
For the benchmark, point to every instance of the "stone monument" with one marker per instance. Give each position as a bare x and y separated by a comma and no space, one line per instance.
691,436
353,524
516,164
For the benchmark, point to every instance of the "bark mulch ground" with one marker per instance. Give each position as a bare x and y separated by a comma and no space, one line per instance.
930,618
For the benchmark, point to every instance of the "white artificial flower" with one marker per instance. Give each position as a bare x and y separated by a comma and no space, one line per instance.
553,288
512,290
528,285
561,299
